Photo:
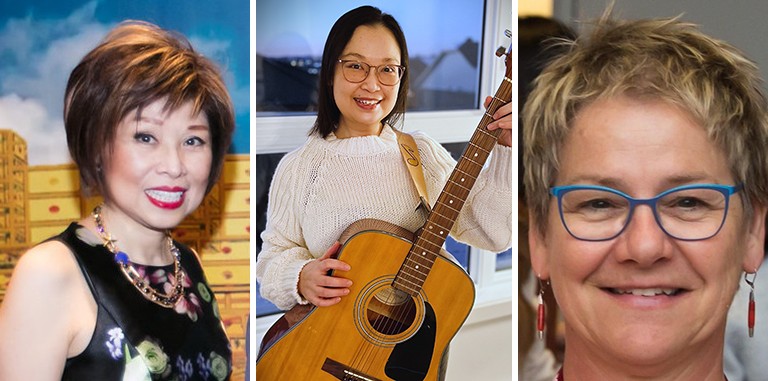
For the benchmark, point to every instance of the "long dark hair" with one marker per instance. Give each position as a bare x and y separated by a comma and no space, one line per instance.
328,113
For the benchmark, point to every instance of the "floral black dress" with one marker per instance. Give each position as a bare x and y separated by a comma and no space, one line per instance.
135,339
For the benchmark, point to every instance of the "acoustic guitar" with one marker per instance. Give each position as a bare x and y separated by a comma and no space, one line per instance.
407,299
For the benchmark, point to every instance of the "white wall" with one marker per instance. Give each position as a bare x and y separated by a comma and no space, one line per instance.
483,347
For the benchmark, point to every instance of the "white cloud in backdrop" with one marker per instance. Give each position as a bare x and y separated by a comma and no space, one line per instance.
36,58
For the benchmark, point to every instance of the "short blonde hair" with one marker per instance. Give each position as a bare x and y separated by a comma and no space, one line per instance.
664,59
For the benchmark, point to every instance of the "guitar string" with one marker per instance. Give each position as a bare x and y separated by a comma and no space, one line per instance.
404,314
386,325
376,351
367,354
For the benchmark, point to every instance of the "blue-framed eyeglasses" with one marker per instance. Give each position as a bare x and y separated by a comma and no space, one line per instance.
689,213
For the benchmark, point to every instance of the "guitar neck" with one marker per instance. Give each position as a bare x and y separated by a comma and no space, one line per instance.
446,210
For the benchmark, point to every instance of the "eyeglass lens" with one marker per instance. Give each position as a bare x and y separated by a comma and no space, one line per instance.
355,71
689,214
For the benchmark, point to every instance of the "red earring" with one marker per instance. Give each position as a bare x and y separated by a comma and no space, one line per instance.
751,311
541,319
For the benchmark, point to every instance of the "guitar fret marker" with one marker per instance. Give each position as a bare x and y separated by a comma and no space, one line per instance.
479,147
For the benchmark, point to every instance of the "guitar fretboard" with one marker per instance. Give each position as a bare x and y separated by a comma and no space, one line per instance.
431,238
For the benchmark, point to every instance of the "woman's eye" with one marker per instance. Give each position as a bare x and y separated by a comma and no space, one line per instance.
598,204
143,138
687,202
195,141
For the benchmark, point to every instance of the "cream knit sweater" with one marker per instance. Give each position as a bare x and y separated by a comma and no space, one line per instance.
325,185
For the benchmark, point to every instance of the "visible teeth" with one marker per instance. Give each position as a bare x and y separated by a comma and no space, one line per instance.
367,102
164,196
646,291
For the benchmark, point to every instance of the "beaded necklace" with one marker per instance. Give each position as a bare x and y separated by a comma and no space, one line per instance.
121,258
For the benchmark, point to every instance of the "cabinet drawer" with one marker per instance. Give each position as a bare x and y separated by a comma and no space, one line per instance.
226,250
53,180
55,209
41,233
228,274
237,171
236,227
237,201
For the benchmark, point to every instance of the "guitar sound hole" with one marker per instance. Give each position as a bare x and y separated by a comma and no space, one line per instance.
391,311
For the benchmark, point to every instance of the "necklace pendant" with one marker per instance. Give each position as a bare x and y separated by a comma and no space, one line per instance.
130,273
121,258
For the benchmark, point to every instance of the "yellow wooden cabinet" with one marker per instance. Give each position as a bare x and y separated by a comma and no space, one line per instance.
37,202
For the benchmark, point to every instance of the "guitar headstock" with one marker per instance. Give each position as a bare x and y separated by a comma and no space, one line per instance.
508,53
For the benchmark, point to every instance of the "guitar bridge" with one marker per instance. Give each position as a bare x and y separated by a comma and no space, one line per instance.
343,372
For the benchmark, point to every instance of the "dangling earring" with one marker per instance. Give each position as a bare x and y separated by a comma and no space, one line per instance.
751,311
541,313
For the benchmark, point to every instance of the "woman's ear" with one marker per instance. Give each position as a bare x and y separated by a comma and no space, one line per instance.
755,239
538,247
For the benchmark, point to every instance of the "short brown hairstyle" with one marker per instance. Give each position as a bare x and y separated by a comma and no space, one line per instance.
135,65
664,59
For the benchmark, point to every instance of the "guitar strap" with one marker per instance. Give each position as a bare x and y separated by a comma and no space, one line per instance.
412,160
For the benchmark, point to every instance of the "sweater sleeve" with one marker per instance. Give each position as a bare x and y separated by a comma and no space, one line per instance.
486,220
284,251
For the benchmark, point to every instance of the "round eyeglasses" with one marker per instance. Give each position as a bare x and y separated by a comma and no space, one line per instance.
356,72
688,213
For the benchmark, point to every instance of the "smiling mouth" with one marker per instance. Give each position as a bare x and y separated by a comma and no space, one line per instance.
646,291
367,102
163,196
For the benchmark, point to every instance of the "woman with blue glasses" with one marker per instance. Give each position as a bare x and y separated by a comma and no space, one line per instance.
646,176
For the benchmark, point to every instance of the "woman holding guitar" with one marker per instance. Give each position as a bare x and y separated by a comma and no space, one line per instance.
351,169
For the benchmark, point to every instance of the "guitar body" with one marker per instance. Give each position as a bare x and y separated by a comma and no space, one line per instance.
376,332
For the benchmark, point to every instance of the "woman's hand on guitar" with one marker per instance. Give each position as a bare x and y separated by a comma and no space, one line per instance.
502,119
317,286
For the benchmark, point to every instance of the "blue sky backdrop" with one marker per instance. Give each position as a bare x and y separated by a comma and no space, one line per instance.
41,41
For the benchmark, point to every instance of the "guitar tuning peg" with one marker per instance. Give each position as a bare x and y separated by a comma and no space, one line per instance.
500,51
508,33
